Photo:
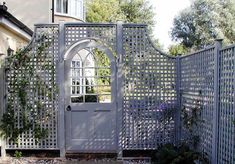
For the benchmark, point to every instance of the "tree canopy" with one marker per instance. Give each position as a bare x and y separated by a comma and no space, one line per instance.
103,11
203,22
177,49
130,11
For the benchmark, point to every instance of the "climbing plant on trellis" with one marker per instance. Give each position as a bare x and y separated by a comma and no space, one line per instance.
30,117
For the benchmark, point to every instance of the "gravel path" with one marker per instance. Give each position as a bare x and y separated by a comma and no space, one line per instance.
29,160
35,160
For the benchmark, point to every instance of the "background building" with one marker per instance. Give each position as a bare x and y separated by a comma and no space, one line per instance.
46,11
13,33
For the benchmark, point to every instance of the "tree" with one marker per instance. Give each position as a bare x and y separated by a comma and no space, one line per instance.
203,22
130,11
178,49
137,11
103,11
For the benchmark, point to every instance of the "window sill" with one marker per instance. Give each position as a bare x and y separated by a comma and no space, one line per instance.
68,16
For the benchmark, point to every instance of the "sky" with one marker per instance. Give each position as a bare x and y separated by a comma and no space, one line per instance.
165,11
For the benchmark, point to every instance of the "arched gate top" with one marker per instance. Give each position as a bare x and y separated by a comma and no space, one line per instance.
85,43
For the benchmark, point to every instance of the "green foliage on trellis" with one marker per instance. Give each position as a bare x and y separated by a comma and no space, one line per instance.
27,91
191,120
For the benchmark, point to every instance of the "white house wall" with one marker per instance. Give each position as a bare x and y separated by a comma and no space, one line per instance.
30,12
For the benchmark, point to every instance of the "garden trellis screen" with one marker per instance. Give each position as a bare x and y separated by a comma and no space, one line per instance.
155,91
149,99
146,101
41,99
207,84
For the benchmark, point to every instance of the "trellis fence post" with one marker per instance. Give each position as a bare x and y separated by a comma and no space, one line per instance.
218,45
119,92
178,103
60,82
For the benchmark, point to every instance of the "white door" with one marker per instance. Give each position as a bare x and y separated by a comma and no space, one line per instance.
90,99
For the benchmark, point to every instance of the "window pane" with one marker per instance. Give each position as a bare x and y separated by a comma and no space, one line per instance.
104,98
65,6
104,89
103,80
76,8
78,64
73,64
76,73
58,6
90,89
90,98
78,87
103,72
78,99
73,90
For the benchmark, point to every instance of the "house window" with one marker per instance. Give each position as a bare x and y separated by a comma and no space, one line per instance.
77,8
72,8
62,6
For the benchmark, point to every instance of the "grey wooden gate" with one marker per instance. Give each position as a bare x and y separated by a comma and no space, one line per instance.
90,98
88,88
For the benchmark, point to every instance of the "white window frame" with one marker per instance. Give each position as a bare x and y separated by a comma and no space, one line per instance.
75,9
80,79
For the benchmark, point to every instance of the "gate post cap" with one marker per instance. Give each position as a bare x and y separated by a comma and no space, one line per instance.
120,21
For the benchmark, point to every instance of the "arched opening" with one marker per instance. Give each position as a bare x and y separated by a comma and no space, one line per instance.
90,77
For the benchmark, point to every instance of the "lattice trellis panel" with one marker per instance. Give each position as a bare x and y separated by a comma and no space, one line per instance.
149,92
105,33
226,147
197,95
43,55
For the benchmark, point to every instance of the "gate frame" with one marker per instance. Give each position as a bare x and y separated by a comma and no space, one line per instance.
61,100
120,92
60,82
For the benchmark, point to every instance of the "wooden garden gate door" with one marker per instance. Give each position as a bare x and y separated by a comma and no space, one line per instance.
90,98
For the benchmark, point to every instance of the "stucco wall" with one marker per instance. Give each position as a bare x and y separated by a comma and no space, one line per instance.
10,39
30,12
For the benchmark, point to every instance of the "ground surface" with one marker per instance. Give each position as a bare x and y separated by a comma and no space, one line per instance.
31,160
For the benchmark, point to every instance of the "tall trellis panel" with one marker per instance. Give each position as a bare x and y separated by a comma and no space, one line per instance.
149,98
226,143
39,90
207,84
197,99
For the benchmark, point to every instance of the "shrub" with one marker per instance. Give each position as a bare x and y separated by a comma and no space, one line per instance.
170,154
